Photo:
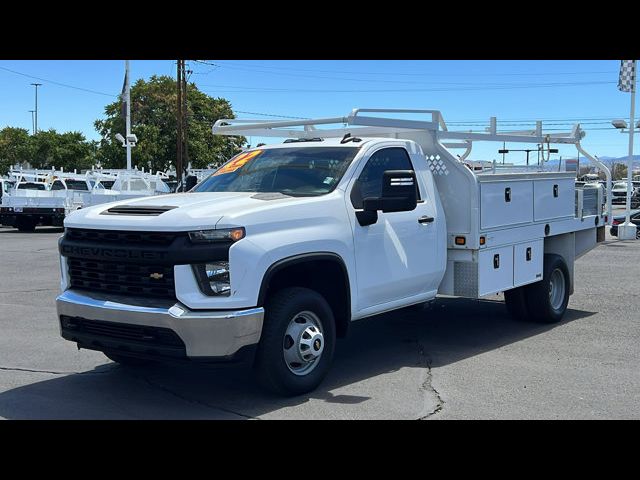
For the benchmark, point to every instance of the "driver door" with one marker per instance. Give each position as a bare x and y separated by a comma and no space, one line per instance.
395,257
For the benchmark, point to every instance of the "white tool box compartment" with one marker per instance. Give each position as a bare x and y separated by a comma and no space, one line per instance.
505,202
553,198
495,270
528,261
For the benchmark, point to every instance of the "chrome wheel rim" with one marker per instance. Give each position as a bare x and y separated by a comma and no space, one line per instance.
303,343
556,289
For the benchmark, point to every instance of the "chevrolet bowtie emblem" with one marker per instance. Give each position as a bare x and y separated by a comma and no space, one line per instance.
156,276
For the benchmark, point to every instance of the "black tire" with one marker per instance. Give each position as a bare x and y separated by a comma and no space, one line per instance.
127,361
26,226
515,299
538,298
270,366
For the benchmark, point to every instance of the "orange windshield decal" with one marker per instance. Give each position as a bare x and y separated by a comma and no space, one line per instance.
235,163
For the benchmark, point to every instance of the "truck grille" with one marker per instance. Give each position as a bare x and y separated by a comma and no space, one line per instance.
113,236
132,263
127,279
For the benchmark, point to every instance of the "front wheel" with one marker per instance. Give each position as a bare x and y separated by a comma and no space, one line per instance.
297,343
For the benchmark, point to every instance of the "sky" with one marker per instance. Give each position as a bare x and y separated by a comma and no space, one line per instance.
559,92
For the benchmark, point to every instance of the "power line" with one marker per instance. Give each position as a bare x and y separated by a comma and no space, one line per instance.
576,119
508,122
531,122
271,115
243,89
362,79
223,63
58,83
342,79
478,123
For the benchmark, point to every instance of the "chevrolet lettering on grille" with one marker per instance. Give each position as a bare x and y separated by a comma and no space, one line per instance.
82,251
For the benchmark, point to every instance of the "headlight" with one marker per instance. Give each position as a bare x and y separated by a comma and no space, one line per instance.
223,235
214,278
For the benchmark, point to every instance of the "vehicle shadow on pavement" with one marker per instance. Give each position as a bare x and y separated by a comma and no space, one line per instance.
38,230
450,331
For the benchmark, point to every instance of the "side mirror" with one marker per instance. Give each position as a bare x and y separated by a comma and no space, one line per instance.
399,191
399,194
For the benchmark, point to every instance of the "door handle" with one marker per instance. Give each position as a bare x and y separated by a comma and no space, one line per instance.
425,219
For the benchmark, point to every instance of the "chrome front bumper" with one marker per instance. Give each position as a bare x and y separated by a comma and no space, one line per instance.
204,333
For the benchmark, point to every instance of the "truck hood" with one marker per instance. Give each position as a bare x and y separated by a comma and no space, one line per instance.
188,211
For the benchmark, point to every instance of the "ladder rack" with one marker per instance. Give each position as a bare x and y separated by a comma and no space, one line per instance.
424,132
369,126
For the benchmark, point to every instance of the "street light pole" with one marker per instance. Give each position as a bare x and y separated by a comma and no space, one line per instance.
33,125
628,230
35,128
630,161
128,115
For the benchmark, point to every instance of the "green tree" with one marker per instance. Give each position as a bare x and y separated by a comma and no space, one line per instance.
153,121
69,150
619,171
15,147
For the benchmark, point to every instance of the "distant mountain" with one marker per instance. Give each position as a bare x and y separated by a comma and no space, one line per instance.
604,159
608,160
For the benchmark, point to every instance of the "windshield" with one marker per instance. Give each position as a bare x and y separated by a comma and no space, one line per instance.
32,186
76,185
307,171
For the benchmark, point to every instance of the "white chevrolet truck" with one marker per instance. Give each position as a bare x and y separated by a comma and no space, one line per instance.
274,255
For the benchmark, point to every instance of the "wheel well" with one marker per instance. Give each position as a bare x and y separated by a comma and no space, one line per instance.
323,273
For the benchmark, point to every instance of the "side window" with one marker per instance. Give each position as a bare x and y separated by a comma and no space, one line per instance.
57,185
369,183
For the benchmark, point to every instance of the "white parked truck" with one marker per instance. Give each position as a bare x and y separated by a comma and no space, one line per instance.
58,193
277,252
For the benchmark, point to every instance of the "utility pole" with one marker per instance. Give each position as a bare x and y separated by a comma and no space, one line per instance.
35,128
185,114
33,125
179,120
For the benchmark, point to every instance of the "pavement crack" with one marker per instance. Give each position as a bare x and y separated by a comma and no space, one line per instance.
32,291
194,401
427,385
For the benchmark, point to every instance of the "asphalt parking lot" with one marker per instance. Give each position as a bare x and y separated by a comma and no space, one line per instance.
462,359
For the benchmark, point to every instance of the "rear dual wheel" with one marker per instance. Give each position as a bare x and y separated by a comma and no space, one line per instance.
544,301
26,225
